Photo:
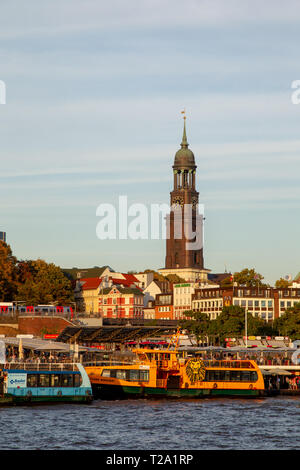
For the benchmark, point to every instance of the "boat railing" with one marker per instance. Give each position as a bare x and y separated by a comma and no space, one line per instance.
108,363
40,366
229,364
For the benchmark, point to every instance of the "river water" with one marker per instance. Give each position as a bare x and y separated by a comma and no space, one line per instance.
206,424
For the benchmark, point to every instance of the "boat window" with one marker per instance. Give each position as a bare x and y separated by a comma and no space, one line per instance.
230,376
121,374
106,373
55,380
134,375
246,376
67,380
44,380
32,380
236,376
77,380
227,375
144,375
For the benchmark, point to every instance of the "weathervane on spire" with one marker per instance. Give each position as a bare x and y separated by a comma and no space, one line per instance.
183,112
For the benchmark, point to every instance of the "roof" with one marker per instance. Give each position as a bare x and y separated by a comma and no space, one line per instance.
218,277
37,344
115,334
96,271
184,157
123,290
90,283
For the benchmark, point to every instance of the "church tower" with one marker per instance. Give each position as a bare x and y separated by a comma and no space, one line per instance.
183,256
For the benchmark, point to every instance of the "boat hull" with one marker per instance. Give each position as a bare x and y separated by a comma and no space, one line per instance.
44,400
111,392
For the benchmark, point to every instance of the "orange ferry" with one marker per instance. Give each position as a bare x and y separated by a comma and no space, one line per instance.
167,373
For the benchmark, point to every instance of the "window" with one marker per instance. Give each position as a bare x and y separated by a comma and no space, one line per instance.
121,374
134,375
67,380
32,380
106,373
144,375
55,380
44,380
230,376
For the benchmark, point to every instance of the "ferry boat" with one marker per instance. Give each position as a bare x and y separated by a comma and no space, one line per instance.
31,383
167,373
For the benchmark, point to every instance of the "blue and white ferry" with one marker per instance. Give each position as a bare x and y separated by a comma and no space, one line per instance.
31,383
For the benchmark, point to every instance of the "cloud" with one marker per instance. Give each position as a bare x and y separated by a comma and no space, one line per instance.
61,17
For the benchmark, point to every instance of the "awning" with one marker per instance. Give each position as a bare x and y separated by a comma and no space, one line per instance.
276,372
280,372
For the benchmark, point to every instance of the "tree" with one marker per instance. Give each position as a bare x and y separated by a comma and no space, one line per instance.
231,322
282,284
248,278
8,273
43,283
197,324
227,283
289,323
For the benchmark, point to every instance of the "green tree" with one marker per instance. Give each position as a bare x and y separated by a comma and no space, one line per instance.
248,278
43,283
289,323
282,284
197,324
231,323
8,273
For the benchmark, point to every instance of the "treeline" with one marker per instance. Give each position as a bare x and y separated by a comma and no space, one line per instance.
231,323
32,282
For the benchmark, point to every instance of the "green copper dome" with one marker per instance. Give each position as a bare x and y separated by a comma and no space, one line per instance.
184,157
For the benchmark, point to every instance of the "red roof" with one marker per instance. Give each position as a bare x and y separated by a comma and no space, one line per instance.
90,283
94,282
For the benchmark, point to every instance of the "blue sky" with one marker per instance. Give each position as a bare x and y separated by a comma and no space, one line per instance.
94,95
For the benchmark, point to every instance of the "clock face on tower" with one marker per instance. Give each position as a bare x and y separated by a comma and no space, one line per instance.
177,201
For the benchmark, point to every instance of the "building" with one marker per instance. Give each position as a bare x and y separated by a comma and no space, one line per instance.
164,309
149,311
265,303
86,295
155,288
121,302
88,290
184,219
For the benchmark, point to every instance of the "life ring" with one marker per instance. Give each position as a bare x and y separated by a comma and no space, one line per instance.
215,385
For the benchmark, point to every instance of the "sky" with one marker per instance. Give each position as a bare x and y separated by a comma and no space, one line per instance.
94,94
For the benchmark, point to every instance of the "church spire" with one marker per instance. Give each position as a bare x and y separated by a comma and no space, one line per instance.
184,143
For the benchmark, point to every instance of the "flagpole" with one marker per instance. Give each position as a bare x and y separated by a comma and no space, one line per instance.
246,333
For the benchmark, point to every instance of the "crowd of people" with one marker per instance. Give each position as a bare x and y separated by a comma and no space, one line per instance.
36,357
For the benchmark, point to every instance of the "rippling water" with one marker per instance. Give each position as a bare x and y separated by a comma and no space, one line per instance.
207,424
